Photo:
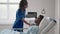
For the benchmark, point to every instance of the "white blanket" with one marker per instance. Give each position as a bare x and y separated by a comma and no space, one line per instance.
9,31
33,30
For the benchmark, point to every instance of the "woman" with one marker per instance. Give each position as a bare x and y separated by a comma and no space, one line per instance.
20,15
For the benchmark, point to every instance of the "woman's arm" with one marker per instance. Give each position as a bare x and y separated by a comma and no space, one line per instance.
26,22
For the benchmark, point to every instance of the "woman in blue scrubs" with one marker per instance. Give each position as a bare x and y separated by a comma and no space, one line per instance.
20,15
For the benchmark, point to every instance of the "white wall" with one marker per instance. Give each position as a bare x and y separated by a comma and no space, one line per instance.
38,5
49,6
35,6
57,16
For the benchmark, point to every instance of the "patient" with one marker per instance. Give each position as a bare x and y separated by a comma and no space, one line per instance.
34,29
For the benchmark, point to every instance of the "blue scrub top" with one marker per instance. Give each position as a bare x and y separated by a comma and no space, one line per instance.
19,16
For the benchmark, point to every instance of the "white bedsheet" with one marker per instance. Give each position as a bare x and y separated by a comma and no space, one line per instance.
8,31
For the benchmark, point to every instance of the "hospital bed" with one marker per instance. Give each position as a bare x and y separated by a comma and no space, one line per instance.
46,24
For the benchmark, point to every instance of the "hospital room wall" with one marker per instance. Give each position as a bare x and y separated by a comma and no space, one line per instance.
57,16
38,5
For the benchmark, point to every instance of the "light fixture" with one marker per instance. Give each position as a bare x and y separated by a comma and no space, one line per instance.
43,11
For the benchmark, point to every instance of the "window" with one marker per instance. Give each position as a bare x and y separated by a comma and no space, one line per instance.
3,11
8,9
14,1
3,1
12,11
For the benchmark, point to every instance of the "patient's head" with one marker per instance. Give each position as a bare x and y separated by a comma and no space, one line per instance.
38,19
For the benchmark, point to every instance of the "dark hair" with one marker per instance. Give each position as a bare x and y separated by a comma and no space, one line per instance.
40,18
35,17
22,3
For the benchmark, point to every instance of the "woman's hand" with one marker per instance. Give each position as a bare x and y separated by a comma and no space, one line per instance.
26,22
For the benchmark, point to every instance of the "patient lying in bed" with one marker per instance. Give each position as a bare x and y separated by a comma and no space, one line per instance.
34,29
